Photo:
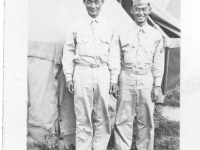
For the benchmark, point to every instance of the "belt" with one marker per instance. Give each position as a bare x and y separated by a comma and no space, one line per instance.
137,72
90,65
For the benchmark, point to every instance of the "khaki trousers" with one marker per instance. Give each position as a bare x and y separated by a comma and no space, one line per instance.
134,100
91,100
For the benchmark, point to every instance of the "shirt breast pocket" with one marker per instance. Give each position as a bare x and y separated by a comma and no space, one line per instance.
149,51
83,39
105,43
149,55
83,46
127,47
105,39
128,51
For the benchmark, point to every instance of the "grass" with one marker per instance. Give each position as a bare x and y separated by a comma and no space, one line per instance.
33,144
172,99
167,143
167,133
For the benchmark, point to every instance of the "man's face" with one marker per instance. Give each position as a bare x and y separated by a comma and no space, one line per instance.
93,7
141,13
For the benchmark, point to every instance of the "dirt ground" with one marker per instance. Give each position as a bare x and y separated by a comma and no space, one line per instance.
171,113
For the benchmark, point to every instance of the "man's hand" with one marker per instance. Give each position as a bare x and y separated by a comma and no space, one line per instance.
70,86
155,93
114,89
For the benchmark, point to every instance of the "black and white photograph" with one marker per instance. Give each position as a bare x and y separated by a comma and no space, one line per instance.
96,75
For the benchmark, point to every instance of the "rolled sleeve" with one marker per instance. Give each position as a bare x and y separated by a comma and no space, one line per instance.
167,41
68,55
158,62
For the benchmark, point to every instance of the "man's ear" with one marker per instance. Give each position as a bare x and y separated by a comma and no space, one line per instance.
132,10
150,9
84,2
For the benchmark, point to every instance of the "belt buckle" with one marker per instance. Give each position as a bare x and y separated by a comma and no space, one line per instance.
142,72
94,65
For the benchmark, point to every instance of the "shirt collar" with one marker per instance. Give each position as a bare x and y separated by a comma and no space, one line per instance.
144,28
97,19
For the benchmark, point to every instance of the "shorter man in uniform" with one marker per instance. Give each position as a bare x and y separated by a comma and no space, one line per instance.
140,80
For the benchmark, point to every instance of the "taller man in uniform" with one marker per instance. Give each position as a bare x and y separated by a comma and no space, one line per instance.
140,79
91,63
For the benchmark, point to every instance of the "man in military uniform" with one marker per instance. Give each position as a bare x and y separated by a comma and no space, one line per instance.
91,64
140,80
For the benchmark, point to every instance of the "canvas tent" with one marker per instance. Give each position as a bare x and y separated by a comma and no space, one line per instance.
48,24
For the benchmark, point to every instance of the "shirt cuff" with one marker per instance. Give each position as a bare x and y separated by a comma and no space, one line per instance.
158,81
68,78
114,79
167,42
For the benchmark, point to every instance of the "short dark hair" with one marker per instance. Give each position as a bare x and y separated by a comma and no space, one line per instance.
85,0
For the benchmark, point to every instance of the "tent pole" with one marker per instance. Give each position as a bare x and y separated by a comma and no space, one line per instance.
157,27
166,39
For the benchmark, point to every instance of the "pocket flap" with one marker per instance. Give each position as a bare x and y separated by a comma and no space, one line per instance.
127,47
149,50
83,39
105,38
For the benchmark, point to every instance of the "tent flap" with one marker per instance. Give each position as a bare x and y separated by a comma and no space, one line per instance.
165,19
51,51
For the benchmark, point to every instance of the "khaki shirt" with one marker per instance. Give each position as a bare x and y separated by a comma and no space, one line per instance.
91,41
143,48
